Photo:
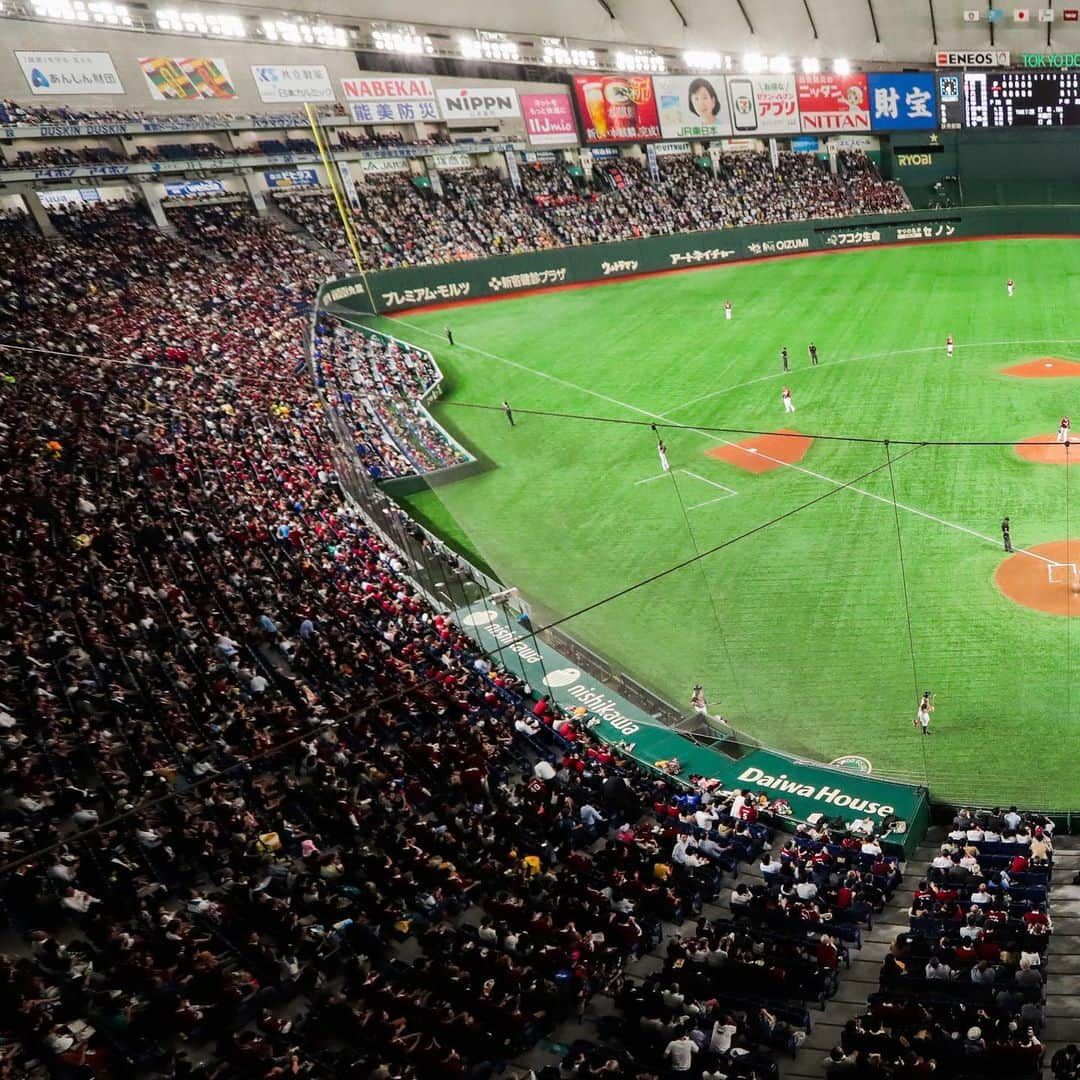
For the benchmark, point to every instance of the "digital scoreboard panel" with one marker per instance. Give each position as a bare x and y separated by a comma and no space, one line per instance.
1005,99
951,100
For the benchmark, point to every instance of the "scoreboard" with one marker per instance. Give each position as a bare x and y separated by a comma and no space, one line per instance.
1005,99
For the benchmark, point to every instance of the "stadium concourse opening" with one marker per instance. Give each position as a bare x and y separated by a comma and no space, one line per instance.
763,453
1044,577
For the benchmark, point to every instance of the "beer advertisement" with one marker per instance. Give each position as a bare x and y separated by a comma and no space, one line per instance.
617,108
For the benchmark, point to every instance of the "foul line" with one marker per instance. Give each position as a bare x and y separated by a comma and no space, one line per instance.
714,438
873,356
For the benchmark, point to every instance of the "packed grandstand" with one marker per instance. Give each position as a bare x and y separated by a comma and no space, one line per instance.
268,808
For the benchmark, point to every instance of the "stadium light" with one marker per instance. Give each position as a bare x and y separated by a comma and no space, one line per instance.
640,60
841,67
754,63
780,65
706,61
811,65
558,53
210,24
488,46
403,40
102,12
301,32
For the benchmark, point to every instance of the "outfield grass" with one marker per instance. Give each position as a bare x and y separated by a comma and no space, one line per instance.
800,630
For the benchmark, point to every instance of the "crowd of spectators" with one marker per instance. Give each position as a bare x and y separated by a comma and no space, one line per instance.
377,383
244,763
480,214
961,992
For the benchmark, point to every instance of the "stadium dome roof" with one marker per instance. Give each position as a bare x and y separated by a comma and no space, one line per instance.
870,30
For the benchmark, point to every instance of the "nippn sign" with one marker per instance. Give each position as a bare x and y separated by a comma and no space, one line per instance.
479,103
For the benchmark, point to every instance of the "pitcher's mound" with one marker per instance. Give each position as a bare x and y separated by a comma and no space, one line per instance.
1046,367
1047,451
1043,577
763,453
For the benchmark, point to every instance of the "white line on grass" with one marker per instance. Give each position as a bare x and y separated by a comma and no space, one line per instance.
715,438
872,356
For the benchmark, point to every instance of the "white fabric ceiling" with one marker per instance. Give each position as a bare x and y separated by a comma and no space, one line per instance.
844,27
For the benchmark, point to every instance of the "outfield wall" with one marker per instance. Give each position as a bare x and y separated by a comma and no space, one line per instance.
506,275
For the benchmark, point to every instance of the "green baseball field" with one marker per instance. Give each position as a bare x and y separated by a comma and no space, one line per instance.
807,629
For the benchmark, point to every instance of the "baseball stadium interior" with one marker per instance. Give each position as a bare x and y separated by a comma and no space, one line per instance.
537,540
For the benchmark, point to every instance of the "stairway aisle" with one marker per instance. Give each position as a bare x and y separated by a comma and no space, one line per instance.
861,981
1062,1009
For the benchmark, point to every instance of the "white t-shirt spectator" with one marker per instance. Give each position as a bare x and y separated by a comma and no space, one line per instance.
681,1052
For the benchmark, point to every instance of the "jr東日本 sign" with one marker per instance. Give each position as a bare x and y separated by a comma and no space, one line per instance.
292,82
903,102
763,104
69,72
549,118
692,107
973,58
187,78
833,102
616,108
478,103
391,100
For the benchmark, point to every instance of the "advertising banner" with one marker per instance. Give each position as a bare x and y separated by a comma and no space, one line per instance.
69,72
449,162
383,165
191,189
663,149
549,118
292,82
692,108
805,144
187,78
292,178
833,102
903,102
973,58
391,100
479,103
617,108
79,196
763,104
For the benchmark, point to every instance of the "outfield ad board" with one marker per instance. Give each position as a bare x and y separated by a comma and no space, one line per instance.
616,108
903,102
478,103
279,83
549,119
807,788
763,104
830,102
61,72
410,287
692,107
187,78
391,99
